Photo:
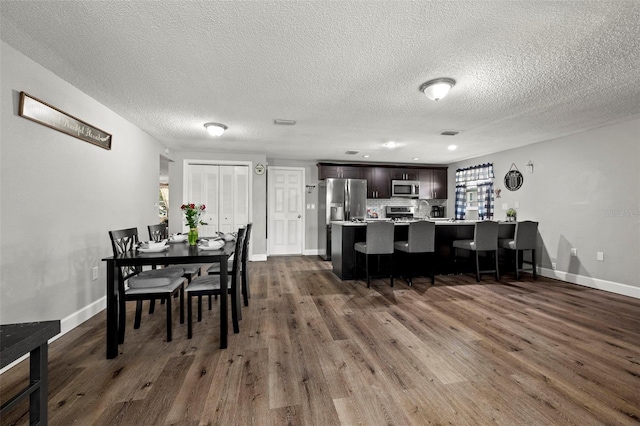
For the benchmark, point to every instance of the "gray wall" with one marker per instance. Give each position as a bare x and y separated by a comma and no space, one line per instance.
584,192
59,196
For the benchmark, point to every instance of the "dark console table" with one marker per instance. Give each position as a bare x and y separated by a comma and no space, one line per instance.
17,340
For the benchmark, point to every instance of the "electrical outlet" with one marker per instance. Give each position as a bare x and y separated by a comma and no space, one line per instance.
505,206
554,265
600,256
516,205
574,252
94,273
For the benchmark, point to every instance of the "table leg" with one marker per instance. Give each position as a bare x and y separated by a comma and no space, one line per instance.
112,311
38,375
224,325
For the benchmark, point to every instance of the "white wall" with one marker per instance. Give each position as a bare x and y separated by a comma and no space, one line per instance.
584,192
60,196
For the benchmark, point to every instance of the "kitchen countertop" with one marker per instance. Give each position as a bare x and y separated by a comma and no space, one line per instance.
403,223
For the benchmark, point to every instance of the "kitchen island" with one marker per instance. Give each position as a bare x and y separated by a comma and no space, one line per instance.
346,234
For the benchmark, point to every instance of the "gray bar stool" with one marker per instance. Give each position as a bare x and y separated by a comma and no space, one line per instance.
421,240
525,238
379,241
485,238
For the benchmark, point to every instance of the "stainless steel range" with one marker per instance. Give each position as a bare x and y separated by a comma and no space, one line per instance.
400,212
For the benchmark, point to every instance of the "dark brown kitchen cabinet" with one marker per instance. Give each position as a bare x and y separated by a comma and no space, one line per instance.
378,182
433,184
404,174
341,172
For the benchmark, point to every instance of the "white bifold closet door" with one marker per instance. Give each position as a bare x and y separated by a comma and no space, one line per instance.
225,192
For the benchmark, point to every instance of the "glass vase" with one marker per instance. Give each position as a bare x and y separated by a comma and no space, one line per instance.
193,236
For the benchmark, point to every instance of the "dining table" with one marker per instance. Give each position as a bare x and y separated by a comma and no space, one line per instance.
175,253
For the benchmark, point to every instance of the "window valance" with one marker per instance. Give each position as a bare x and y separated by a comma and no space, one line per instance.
479,172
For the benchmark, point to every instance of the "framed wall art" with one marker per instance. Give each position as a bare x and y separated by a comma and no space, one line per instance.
41,112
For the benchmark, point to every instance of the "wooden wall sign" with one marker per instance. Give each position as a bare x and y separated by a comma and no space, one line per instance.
41,112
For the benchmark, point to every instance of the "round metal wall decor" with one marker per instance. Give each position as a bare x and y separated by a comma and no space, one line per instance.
259,169
513,179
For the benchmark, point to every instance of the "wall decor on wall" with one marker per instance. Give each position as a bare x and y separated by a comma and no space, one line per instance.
41,112
513,179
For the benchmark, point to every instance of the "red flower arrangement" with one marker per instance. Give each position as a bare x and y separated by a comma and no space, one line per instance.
192,214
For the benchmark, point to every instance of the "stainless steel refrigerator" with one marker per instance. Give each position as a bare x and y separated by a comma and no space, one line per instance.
338,200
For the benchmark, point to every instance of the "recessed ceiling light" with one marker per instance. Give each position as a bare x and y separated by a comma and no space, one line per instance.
452,147
365,156
449,133
390,144
215,129
415,158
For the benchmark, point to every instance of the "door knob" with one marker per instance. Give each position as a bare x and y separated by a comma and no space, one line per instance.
299,216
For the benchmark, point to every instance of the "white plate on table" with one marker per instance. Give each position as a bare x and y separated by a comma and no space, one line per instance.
152,250
213,245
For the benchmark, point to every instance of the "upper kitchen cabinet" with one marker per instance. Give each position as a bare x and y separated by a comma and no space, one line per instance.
326,171
378,181
433,183
404,174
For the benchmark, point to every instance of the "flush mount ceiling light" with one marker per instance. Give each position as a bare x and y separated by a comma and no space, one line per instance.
215,129
390,144
452,147
438,88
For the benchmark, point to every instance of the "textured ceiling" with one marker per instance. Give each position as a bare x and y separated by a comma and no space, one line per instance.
347,72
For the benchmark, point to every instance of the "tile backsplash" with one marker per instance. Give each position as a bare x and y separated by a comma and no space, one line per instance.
423,207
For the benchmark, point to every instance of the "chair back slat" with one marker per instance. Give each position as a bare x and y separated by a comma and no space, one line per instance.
245,247
486,235
380,237
526,235
158,232
422,237
237,257
124,240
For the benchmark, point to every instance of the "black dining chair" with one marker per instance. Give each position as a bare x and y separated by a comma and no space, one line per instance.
209,285
525,238
379,242
136,284
420,242
160,232
485,239
244,271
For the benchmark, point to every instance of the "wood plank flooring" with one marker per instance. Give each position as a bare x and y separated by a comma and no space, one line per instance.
314,350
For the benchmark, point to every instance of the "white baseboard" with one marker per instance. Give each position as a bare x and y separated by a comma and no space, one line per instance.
311,252
258,258
69,323
613,287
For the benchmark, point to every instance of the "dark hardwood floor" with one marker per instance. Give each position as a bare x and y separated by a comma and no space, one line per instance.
313,350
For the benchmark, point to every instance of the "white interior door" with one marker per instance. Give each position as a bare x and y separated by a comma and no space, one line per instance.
286,221
225,192
203,183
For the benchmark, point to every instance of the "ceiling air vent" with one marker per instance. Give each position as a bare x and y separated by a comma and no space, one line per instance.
284,122
351,152
449,133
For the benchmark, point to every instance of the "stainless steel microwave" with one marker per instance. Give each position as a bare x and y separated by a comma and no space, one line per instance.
405,188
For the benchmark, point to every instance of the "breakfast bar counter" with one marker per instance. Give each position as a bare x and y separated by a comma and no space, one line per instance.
346,234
